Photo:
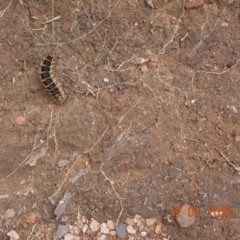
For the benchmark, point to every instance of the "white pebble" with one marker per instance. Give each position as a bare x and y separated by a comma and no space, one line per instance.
84,228
104,228
143,234
94,225
10,213
103,237
68,236
13,235
130,229
110,225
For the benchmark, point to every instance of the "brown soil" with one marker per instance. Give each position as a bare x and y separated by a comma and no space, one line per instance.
151,121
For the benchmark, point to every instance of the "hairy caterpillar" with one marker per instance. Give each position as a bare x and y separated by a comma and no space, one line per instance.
49,81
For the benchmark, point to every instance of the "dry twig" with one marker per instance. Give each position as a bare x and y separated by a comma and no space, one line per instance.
127,112
3,11
226,158
116,193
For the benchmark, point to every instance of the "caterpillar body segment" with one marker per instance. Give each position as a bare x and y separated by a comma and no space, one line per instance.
50,82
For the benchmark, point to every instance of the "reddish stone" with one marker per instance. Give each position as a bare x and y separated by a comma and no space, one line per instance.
20,120
189,4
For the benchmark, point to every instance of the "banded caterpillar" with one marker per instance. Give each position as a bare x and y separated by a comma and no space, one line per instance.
49,81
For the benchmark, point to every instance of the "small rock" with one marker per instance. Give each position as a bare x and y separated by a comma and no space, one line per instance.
143,234
102,237
113,233
63,163
129,221
13,235
224,24
83,219
158,229
234,109
106,80
76,238
60,232
185,220
189,4
138,217
68,236
130,229
121,230
10,213
4,196
20,120
75,229
144,68
110,225
120,86
104,228
150,64
33,217
139,223
169,77
17,192
150,3
224,165
164,235
94,225
237,138
131,238
150,221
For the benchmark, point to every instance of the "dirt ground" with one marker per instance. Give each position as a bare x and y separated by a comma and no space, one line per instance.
151,120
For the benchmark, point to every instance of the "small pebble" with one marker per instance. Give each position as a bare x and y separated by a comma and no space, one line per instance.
138,217
94,225
104,228
139,223
234,109
110,225
158,229
103,237
143,234
121,230
76,238
224,165
150,221
113,233
189,4
68,236
10,213
84,228
60,232
20,120
120,86
106,80
224,24
129,221
13,235
33,217
141,227
63,163
83,219
131,238
144,68
130,229
4,196
237,138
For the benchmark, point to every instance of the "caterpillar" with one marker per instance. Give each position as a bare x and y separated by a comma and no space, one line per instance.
49,81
